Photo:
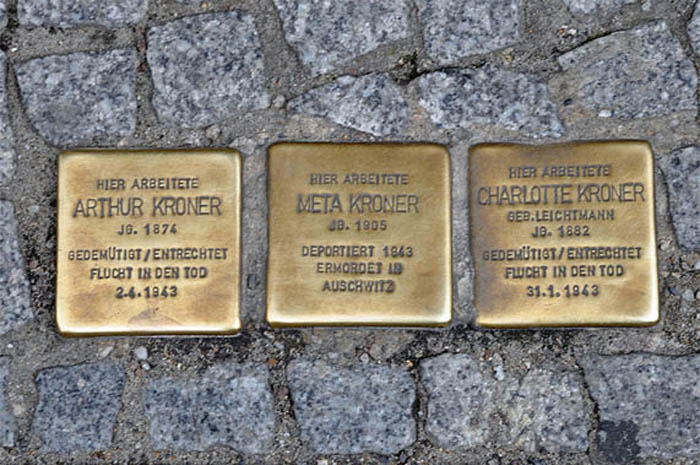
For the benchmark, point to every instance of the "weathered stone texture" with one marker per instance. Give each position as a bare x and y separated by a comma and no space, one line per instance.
683,177
73,98
371,103
73,13
596,7
78,406
206,68
694,28
3,14
489,96
15,307
351,410
638,73
471,403
231,405
8,425
7,151
456,28
326,34
648,404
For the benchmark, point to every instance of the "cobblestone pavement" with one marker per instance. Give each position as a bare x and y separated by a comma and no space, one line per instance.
248,73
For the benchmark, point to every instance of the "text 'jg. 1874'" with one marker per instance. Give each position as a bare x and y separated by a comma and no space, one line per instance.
148,242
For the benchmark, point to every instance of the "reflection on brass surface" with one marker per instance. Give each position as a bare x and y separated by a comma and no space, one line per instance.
359,235
148,242
563,235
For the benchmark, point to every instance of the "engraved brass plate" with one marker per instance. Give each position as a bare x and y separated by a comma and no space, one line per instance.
148,242
563,235
359,235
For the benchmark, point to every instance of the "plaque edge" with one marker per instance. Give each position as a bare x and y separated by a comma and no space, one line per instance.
234,156
447,317
650,319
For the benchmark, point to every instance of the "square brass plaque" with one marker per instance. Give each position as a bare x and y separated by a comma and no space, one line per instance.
148,242
359,235
563,235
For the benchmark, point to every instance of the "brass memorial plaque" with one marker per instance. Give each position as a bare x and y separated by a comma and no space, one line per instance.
148,242
563,235
359,235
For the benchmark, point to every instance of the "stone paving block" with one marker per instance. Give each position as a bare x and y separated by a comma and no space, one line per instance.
15,307
325,34
596,7
73,98
78,406
489,96
683,177
638,73
471,403
349,410
453,29
231,405
206,68
694,28
8,425
647,404
7,151
74,13
372,103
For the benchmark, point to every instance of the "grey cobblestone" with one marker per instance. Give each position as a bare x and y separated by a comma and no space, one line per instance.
73,98
456,72
638,73
683,177
371,103
14,286
8,425
694,28
543,409
79,12
231,405
647,404
78,406
456,28
206,68
348,410
326,34
596,7
489,96
7,151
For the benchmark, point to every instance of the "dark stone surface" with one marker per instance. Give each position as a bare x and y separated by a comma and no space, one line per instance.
72,98
694,28
349,410
618,441
596,7
231,405
489,96
15,308
371,103
74,13
326,34
3,14
642,72
456,28
206,68
683,178
7,150
8,425
78,406
472,403
647,404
